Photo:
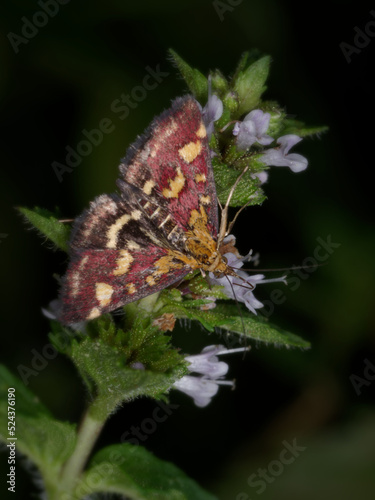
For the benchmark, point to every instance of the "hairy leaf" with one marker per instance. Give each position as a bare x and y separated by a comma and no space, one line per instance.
136,473
48,225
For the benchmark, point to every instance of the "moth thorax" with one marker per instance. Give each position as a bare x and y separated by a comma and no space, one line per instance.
203,250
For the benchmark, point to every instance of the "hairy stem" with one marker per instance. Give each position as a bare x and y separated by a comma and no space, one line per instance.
88,433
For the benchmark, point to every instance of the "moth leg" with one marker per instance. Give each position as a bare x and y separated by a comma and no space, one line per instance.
231,224
224,212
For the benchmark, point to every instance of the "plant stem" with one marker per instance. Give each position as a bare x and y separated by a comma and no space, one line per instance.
88,433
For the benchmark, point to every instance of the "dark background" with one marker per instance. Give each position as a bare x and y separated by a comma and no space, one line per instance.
63,81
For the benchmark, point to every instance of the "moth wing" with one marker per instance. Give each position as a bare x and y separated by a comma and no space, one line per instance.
172,161
100,281
113,223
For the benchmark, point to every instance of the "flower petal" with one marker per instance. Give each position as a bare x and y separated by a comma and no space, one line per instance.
253,129
207,363
200,389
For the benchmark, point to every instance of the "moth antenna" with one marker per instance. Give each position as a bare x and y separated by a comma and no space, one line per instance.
281,268
248,286
224,212
66,220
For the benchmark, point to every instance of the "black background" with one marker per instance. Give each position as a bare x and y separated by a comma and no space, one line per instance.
63,81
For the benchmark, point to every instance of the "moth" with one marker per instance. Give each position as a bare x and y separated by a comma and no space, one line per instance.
162,225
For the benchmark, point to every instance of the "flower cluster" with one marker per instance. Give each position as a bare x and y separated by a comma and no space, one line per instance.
204,387
241,288
253,129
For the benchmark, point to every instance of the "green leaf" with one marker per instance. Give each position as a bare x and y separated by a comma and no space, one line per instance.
242,63
222,121
277,117
230,103
219,82
250,84
136,473
256,327
27,402
247,190
192,310
112,382
247,58
199,286
239,321
194,79
48,225
299,128
46,441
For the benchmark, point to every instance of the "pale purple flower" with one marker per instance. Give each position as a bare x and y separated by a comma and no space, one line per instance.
207,362
241,288
279,157
203,388
262,176
253,129
198,388
212,110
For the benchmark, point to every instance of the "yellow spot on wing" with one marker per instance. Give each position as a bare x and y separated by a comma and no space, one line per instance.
133,245
201,132
198,218
112,233
206,200
123,263
147,188
131,288
136,214
175,184
190,151
94,313
103,293
150,280
200,178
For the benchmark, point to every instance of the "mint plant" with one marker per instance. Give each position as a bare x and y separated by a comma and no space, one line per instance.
124,357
